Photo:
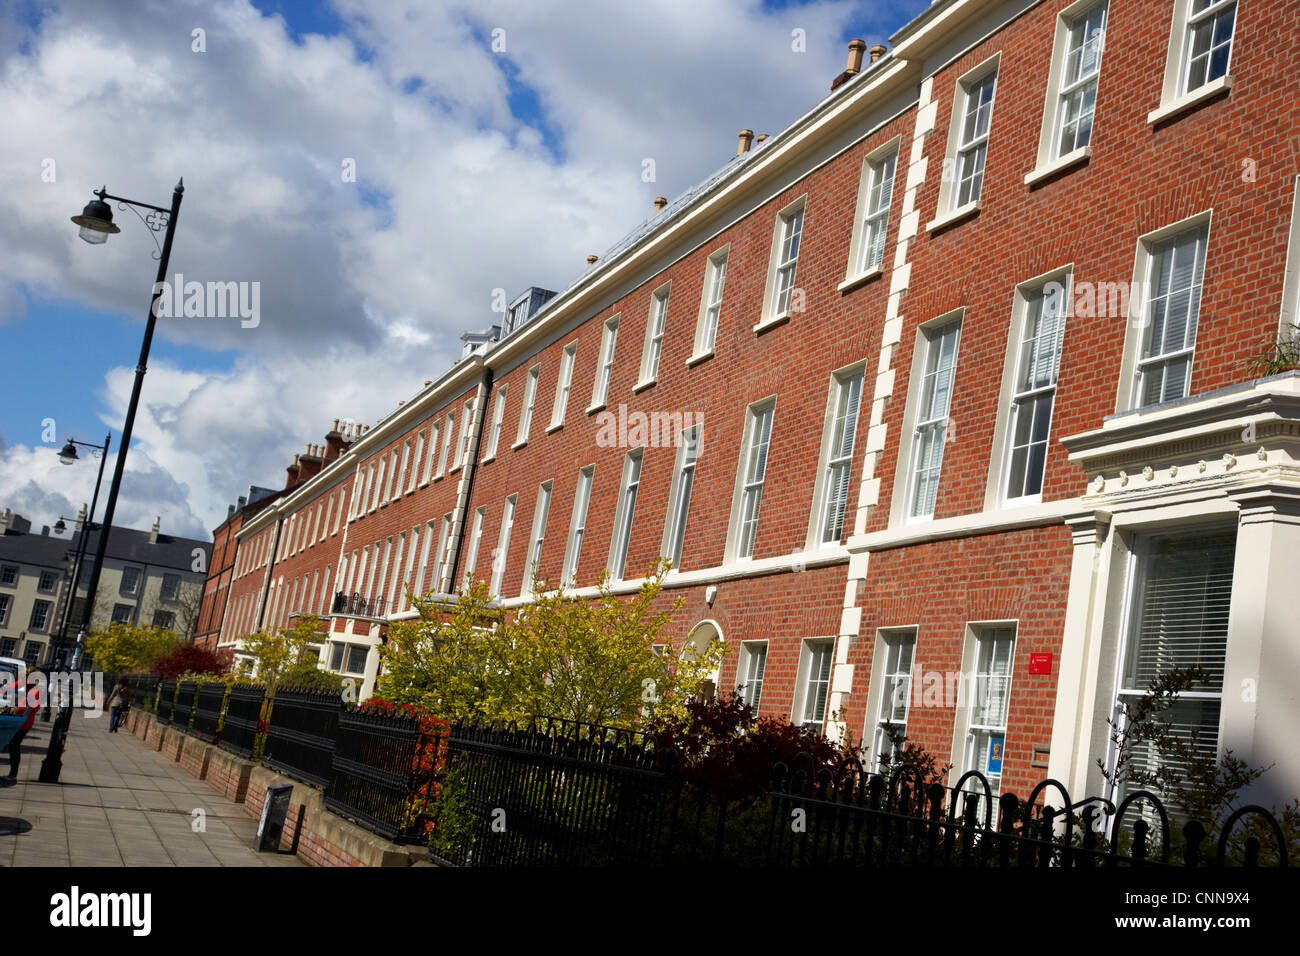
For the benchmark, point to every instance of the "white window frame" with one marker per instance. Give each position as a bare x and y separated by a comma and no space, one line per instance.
838,446
629,489
750,670
872,214
811,655
563,386
751,478
498,418
978,685
377,495
1175,94
449,432
1138,331
503,545
530,400
577,525
420,473
605,372
1013,395
679,494
461,451
1136,559
537,538
475,540
783,263
711,296
656,329
402,487
394,488
438,583
892,664
1069,23
926,336
950,209
435,442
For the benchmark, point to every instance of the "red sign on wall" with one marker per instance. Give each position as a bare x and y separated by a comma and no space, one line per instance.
1040,663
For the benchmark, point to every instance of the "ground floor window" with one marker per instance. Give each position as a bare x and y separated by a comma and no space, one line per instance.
895,656
1178,599
988,693
816,669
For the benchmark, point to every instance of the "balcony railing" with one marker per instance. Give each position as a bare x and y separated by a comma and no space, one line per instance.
358,606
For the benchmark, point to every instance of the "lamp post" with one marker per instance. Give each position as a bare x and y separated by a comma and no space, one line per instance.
69,456
96,222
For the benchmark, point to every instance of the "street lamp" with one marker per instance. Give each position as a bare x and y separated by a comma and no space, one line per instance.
68,455
96,222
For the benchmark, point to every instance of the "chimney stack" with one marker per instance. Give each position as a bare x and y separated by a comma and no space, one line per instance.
746,137
291,474
591,261
856,48
153,532
310,463
877,51
660,202
230,512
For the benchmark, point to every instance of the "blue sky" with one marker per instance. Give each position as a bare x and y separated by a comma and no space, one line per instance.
466,156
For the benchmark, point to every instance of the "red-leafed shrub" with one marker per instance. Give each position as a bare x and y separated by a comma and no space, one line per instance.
194,659
727,751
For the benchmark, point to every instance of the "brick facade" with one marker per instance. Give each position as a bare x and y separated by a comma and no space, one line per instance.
1226,154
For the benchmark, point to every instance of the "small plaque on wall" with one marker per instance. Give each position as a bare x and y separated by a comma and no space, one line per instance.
1040,663
1040,755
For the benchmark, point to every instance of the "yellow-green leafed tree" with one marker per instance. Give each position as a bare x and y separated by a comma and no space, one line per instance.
285,657
591,660
124,648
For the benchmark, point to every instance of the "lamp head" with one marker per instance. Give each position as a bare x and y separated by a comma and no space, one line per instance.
96,222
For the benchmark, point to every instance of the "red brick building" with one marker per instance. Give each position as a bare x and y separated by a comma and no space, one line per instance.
939,401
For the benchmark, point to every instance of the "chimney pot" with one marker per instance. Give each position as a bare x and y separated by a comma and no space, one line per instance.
591,261
856,47
877,51
660,202
761,137
746,137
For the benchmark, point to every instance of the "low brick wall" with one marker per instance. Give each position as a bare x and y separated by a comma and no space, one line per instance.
154,735
326,839
171,744
228,774
195,757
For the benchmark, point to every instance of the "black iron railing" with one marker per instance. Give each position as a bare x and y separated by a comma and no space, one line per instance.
186,691
166,700
357,606
301,732
559,795
207,710
239,729
144,692
382,773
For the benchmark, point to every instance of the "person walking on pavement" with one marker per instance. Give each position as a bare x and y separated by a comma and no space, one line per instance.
122,693
29,707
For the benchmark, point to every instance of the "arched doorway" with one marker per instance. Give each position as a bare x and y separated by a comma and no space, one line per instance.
696,643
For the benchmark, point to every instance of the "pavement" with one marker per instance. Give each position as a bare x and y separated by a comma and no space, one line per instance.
118,803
